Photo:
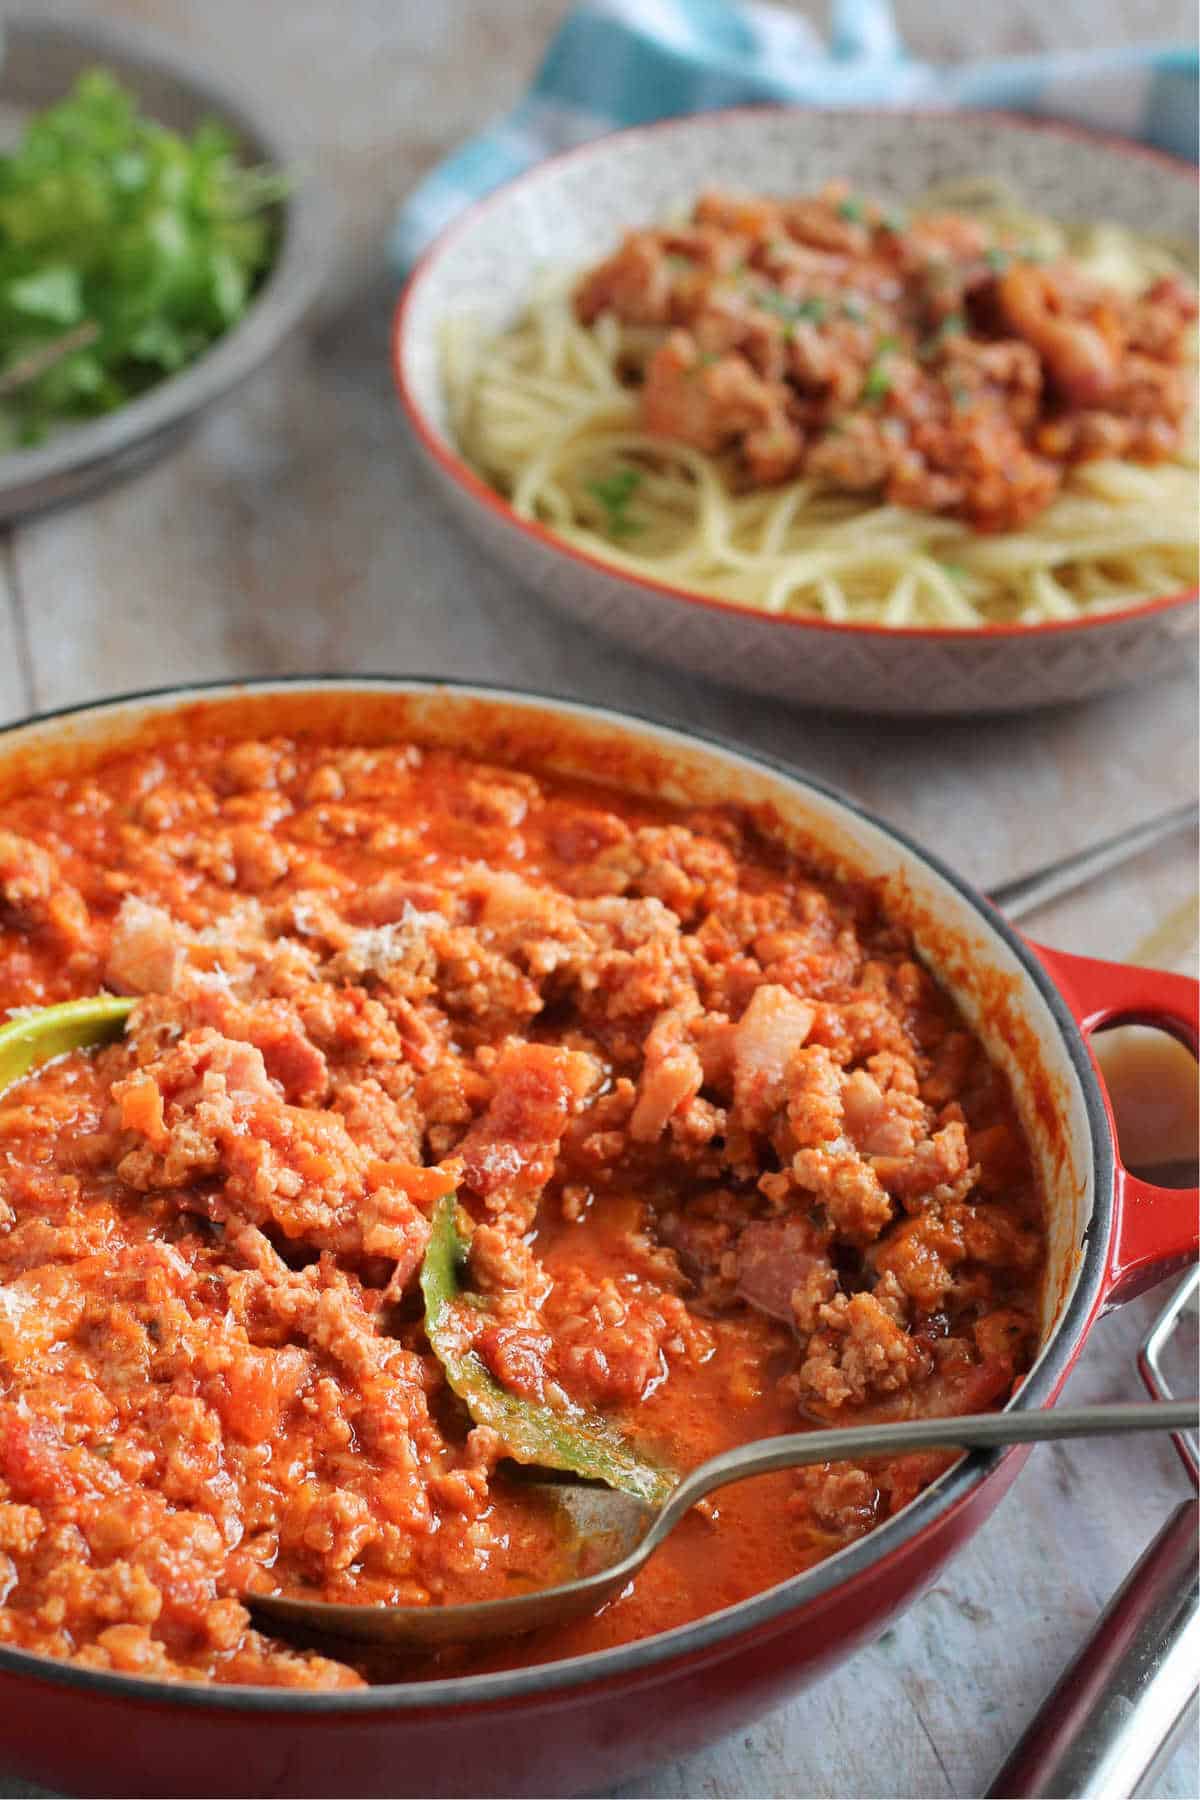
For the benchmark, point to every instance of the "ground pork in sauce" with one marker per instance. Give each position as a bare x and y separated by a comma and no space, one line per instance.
734,1164
830,337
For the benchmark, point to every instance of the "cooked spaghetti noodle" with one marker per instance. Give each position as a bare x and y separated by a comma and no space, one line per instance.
553,413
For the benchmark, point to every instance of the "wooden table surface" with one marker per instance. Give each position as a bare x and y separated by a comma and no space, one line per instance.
294,533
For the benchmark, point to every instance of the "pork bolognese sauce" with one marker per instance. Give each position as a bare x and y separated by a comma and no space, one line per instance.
729,1161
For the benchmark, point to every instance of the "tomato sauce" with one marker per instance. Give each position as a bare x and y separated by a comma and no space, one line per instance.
731,1161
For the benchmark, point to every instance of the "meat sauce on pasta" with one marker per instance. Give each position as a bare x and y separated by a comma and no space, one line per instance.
731,1160
959,414
918,358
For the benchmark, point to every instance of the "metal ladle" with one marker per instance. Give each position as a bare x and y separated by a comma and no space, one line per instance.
612,1535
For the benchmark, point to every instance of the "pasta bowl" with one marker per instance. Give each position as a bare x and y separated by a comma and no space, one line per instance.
571,210
587,1722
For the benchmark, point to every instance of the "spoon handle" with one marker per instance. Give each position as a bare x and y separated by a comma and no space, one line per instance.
973,1431
1038,887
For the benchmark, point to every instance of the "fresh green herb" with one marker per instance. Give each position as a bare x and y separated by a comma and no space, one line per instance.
957,571
953,325
851,209
784,306
878,383
960,396
151,241
582,1443
32,1038
614,492
998,260
895,220
855,310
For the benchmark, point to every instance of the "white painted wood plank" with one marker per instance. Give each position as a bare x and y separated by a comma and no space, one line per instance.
15,690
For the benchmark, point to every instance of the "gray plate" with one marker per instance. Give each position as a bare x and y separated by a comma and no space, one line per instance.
41,59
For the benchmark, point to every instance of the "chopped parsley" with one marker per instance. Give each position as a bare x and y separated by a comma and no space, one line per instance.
998,260
895,220
791,310
126,249
614,492
953,325
878,383
854,310
851,209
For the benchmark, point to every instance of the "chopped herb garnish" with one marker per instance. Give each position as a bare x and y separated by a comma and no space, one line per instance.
614,492
953,325
851,209
878,383
895,220
956,571
785,307
855,310
998,260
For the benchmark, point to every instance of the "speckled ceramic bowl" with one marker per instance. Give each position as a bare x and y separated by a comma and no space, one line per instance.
571,209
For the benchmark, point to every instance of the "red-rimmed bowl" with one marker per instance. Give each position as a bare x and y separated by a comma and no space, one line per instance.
570,210
579,1725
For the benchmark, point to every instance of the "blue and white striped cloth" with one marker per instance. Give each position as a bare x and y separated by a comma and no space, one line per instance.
625,62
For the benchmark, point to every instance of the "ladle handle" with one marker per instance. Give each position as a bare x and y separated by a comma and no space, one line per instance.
973,1431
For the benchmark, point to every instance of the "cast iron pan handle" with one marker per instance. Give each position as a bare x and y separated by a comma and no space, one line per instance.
1155,1228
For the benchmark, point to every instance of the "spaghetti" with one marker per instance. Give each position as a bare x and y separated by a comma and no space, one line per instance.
553,412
